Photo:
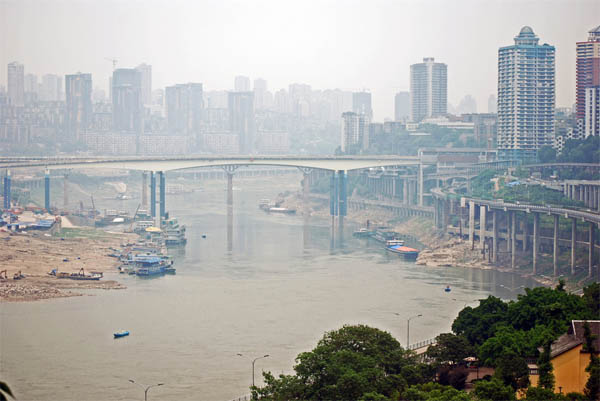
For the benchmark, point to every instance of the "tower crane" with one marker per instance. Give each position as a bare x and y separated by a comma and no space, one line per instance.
113,61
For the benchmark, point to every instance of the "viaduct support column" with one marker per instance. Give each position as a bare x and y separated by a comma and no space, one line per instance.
525,231
482,224
145,190
513,236
471,223
536,233
555,246
405,191
333,204
495,236
421,189
591,249
573,243
46,191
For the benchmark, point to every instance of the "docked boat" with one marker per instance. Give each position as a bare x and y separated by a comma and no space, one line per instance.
394,242
408,253
174,233
80,275
283,210
362,233
151,267
121,333
384,234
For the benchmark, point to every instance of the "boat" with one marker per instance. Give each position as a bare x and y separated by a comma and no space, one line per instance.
80,275
408,253
174,233
264,204
394,242
447,289
283,210
384,234
170,270
362,233
151,267
121,333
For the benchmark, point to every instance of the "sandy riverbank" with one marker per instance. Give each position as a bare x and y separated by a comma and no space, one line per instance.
36,253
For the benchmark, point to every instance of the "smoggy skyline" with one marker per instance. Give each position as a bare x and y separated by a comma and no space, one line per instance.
349,45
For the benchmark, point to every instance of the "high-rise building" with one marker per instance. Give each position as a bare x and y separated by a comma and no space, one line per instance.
78,92
468,105
127,100
146,77
587,73
51,89
492,104
402,106
30,83
261,94
526,96
241,84
428,89
184,104
355,132
361,104
591,122
16,84
241,120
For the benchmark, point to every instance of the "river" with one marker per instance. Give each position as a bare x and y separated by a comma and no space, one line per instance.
276,292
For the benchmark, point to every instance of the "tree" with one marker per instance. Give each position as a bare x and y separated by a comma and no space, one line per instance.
591,297
348,363
508,341
545,367
592,386
512,370
493,390
546,154
480,323
434,392
541,394
450,348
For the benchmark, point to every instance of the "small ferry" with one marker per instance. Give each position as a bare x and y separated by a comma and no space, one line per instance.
151,267
394,242
362,233
408,253
174,233
283,210
383,234
121,333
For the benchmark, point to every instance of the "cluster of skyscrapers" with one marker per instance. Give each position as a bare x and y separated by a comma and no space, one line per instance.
251,119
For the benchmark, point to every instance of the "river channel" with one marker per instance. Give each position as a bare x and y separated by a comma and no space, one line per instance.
278,289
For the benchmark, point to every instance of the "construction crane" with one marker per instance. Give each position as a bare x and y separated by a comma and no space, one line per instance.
113,61
133,220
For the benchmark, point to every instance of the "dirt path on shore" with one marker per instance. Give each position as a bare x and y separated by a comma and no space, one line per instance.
34,254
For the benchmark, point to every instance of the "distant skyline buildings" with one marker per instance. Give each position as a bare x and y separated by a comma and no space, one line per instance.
242,120
78,93
492,104
587,70
146,77
355,132
526,96
127,100
428,89
361,104
184,106
402,106
16,83
241,84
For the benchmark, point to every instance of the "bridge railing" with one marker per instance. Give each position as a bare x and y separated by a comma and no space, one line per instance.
421,344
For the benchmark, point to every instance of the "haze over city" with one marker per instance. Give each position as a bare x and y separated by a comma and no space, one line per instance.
267,200
349,45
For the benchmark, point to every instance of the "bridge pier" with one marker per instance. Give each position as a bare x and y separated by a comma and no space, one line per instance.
591,240
555,246
420,185
573,243
65,190
7,191
513,238
525,226
472,223
482,224
47,190
152,194
145,190
342,201
162,195
536,239
405,191
495,236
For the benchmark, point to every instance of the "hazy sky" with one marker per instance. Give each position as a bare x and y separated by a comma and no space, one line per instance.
343,44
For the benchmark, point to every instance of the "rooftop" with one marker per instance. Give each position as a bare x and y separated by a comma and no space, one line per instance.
575,337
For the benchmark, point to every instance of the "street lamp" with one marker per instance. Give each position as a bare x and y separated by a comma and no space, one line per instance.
253,362
146,388
408,327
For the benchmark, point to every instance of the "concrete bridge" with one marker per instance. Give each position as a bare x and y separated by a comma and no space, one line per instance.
510,223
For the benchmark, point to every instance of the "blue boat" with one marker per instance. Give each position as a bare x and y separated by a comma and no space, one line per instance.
121,333
408,253
151,267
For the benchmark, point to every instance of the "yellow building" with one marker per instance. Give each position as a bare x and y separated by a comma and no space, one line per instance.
569,360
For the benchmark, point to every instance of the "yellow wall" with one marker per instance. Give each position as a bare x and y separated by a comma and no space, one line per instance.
569,370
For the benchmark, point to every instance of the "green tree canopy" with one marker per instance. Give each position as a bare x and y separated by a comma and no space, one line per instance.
450,348
349,363
493,390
